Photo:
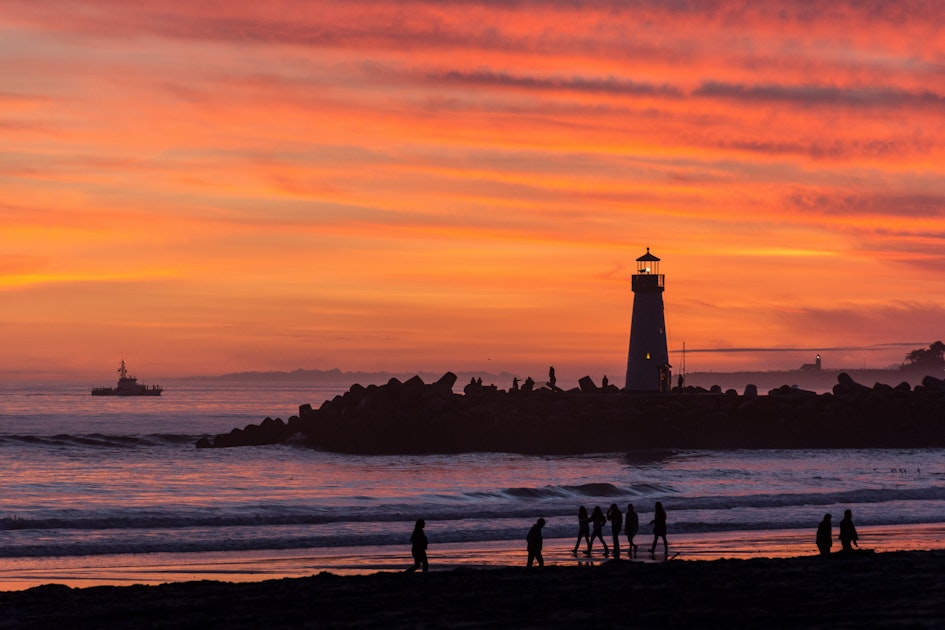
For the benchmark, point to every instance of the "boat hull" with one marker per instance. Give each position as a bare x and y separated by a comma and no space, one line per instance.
111,391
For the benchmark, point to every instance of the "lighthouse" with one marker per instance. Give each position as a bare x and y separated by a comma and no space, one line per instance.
648,368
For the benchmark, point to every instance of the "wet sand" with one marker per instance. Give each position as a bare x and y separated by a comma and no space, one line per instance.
901,589
254,566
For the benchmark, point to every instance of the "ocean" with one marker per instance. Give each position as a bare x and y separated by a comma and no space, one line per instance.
100,490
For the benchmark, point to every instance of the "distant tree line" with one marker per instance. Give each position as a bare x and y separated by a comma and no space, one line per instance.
931,358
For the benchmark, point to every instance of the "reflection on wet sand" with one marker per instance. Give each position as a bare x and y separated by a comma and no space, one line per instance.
252,566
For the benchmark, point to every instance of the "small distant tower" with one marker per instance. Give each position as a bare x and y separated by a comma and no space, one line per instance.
648,367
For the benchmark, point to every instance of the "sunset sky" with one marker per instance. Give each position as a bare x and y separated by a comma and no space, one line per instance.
210,187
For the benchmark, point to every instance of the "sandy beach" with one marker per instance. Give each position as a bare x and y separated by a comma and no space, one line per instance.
17,574
897,589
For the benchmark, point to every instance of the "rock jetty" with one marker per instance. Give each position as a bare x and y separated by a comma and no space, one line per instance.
416,417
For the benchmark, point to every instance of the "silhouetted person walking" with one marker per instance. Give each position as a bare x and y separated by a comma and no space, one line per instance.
848,531
584,530
659,528
597,523
534,541
616,524
825,535
418,547
632,526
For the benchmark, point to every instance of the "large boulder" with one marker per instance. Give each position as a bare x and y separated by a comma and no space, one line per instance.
790,391
933,384
846,386
587,384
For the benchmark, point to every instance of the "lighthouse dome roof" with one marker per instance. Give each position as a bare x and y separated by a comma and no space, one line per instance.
648,257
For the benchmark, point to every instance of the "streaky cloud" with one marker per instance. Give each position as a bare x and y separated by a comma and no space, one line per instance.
832,148
609,85
823,95
904,205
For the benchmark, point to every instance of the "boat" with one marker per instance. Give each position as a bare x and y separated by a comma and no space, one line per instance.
128,386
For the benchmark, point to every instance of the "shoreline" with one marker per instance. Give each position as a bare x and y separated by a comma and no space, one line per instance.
152,569
840,591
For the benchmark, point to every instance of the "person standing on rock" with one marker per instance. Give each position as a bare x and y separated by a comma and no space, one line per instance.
825,535
632,526
597,522
659,528
534,543
418,548
848,531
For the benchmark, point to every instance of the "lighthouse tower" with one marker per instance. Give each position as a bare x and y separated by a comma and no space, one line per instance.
648,368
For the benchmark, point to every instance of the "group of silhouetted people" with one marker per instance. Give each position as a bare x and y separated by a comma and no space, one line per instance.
629,523
848,536
590,528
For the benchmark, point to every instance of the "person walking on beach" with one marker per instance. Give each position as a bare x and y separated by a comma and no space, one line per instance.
584,530
534,541
597,522
616,524
825,535
418,547
632,526
848,531
659,528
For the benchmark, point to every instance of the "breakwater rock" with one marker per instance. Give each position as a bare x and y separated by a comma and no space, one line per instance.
416,417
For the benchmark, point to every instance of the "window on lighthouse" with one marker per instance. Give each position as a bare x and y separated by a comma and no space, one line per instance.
647,355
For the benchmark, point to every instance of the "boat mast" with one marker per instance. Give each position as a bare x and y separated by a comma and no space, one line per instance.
122,371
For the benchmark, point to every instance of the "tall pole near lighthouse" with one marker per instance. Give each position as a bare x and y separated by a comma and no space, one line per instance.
648,368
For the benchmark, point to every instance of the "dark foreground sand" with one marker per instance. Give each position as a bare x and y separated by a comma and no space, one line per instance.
864,590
